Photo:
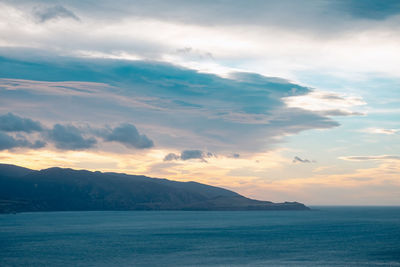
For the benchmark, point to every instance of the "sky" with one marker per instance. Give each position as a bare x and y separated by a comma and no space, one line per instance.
276,100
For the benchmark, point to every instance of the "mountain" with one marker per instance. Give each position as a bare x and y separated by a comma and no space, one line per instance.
58,189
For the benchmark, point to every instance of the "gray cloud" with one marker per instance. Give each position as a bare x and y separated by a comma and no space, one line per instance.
189,154
38,144
236,155
192,154
128,135
54,12
69,137
297,159
9,142
171,156
13,123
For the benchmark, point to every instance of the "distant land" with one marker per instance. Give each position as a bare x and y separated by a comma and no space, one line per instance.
59,189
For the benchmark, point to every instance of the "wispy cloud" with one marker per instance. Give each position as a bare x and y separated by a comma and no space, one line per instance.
367,158
382,131
327,103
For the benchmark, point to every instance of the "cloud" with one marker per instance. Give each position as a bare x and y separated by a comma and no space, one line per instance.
368,158
261,37
54,12
128,135
13,123
69,137
9,142
275,13
327,103
37,144
171,156
339,112
178,107
382,131
192,154
297,159
189,154
332,96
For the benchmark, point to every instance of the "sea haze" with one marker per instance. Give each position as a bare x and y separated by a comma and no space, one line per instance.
324,236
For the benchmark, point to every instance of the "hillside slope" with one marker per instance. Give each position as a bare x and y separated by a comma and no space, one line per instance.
57,189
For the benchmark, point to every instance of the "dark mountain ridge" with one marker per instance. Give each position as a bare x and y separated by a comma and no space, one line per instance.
58,189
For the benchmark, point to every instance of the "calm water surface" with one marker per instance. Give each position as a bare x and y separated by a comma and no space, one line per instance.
329,236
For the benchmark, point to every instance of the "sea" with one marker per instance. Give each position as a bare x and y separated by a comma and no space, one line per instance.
324,236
